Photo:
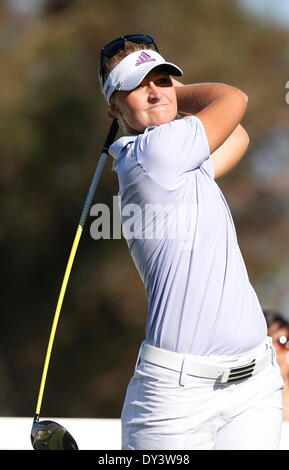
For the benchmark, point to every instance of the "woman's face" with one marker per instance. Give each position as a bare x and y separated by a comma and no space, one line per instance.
152,103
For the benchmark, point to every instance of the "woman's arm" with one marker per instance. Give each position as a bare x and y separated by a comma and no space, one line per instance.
230,152
220,107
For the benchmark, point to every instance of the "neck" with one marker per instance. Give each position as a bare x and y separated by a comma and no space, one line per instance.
128,130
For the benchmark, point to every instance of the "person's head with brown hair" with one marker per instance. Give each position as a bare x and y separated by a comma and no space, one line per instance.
278,329
136,82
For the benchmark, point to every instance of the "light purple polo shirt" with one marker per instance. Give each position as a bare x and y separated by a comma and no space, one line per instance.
200,300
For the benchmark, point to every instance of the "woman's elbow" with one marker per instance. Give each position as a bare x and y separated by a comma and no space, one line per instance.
242,100
245,97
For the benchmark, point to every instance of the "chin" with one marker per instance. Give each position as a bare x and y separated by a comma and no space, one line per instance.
161,118
155,119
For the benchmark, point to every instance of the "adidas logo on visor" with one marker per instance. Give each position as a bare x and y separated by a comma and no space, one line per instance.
131,70
144,58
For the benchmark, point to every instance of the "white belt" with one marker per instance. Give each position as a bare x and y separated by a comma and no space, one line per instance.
189,365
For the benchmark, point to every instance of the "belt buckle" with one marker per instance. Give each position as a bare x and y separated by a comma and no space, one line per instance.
233,374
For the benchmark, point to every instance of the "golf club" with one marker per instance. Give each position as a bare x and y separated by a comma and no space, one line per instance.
49,435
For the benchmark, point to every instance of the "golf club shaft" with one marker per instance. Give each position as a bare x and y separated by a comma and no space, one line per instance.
110,138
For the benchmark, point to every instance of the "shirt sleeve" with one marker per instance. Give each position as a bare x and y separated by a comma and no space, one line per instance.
168,152
208,166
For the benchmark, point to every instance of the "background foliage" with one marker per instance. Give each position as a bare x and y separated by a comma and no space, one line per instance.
52,127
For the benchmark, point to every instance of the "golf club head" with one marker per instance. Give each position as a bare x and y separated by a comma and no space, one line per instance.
48,435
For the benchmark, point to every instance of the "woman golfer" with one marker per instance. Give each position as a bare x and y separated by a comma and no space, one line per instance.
206,376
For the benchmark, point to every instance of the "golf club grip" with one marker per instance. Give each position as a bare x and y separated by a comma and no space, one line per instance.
110,138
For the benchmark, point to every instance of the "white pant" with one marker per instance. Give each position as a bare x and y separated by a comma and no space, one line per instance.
161,414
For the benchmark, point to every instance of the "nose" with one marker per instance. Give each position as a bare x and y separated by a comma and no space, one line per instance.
154,91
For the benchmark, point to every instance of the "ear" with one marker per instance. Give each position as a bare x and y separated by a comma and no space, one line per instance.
109,113
112,111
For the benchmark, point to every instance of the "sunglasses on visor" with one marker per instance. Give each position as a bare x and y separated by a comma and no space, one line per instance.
117,45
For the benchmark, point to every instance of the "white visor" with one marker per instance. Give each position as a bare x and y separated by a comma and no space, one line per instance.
130,72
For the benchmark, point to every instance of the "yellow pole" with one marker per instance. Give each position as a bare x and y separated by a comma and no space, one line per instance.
56,316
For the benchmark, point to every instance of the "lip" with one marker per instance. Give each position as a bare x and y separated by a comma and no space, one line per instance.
158,106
